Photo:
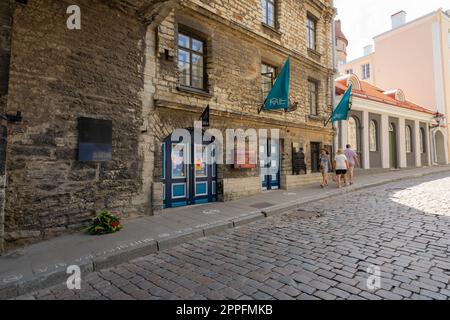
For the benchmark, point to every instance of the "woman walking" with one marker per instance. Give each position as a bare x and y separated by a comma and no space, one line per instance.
340,164
324,167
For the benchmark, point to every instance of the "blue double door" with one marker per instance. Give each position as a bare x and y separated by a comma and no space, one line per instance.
189,173
269,162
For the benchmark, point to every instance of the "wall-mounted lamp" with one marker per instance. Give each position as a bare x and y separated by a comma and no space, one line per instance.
439,118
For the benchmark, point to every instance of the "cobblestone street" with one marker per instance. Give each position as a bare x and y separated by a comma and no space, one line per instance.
403,228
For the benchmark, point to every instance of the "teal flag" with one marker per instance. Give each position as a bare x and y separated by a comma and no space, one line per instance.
342,109
278,97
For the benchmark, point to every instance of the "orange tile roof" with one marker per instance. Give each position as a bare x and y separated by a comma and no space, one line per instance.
373,93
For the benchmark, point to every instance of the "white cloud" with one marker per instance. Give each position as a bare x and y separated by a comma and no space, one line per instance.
364,19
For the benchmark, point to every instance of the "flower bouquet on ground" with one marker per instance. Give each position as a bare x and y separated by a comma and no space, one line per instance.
104,223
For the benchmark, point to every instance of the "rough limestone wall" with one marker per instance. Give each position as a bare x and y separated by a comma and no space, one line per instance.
6,11
58,75
234,67
290,28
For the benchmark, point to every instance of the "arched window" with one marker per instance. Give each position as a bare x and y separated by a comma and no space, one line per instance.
353,133
373,145
408,139
422,141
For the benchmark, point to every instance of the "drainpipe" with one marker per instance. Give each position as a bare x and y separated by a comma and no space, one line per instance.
333,89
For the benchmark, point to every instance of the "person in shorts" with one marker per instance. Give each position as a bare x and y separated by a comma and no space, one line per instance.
341,167
324,167
352,159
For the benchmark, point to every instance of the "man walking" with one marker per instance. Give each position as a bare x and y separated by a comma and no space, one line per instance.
352,158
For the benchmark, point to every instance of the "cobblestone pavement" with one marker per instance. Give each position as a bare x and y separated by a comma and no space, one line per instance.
403,228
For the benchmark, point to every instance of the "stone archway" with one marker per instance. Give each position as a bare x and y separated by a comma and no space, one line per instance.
354,135
393,156
440,148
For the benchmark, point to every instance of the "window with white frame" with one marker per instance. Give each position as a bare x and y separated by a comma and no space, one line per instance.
349,71
408,139
268,12
191,61
422,141
373,134
365,71
353,133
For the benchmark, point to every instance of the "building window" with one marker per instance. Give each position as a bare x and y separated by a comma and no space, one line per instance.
268,74
311,26
408,139
373,134
268,12
349,71
353,133
366,71
191,61
313,97
422,141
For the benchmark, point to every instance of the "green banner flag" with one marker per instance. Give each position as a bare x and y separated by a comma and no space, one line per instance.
342,109
278,97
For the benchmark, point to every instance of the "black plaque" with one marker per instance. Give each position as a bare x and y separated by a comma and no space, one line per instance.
95,139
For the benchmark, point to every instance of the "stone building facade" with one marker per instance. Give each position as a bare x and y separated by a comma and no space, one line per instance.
236,45
123,66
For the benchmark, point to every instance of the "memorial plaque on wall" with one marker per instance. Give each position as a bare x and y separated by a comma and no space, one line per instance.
94,140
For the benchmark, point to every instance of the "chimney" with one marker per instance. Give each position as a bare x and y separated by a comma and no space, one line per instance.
368,50
398,19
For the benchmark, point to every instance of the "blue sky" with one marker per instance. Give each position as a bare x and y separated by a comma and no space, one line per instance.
364,19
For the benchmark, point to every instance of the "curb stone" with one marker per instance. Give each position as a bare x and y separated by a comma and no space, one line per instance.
248,219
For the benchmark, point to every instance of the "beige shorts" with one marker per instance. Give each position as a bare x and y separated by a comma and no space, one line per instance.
351,169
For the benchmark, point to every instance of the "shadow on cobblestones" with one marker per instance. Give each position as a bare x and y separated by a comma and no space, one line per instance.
401,229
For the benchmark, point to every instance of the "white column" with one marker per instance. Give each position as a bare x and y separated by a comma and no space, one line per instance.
384,134
433,147
417,145
336,137
401,142
446,145
365,141
428,144
344,134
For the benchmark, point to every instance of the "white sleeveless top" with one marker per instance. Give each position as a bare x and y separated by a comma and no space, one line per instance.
340,162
